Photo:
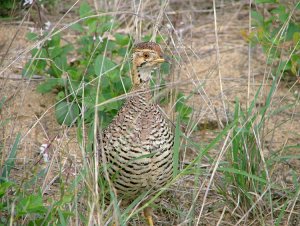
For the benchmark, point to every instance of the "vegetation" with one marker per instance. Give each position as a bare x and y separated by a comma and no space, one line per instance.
7,8
277,31
76,81
90,76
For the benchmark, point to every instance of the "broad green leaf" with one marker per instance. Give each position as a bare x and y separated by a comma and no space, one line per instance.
92,25
10,161
49,85
292,29
66,113
296,38
165,68
32,36
61,63
31,204
55,40
61,95
123,51
103,65
85,10
107,26
121,39
67,48
257,17
77,27
75,74
55,51
54,71
4,186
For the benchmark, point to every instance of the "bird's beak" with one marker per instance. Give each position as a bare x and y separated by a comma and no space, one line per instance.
159,60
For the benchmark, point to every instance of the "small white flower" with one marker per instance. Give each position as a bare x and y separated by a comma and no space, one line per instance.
100,38
27,2
43,152
94,38
41,32
46,157
47,25
43,148
39,45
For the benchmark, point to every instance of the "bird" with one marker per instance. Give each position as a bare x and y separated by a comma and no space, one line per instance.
137,145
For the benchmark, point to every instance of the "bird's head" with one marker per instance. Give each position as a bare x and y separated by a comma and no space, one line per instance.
146,57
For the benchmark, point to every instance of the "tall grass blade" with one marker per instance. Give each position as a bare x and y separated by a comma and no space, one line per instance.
10,162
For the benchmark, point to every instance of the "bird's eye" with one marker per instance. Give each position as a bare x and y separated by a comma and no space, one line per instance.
146,55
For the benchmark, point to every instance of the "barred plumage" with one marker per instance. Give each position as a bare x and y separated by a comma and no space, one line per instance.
138,143
138,147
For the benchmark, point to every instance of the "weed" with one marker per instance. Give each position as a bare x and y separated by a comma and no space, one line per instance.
75,80
277,31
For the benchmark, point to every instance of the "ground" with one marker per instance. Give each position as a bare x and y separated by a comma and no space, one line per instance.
216,69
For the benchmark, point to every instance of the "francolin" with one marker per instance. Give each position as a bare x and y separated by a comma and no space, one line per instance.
138,143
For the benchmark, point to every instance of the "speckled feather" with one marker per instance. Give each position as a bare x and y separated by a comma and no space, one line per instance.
138,147
148,45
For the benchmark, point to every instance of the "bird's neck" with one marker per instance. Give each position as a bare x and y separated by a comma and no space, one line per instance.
141,82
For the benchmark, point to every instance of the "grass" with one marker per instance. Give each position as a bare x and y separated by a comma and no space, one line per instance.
231,174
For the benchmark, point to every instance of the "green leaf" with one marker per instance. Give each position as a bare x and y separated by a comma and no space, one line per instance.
103,65
146,38
123,51
4,186
61,95
282,14
115,105
10,162
296,38
85,10
55,51
31,204
55,40
292,29
75,74
121,39
105,82
36,66
77,27
54,71
75,87
108,46
61,63
257,17
165,68
92,25
32,36
107,26
49,85
66,113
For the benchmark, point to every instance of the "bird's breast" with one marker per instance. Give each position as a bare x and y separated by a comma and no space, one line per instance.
138,148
